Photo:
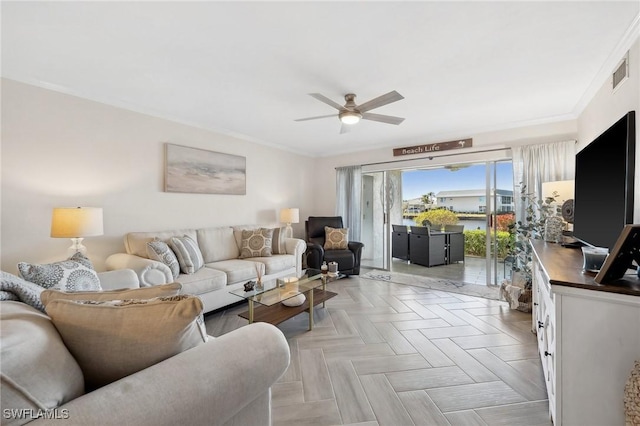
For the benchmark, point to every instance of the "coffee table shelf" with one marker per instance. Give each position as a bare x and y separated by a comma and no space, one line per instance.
279,313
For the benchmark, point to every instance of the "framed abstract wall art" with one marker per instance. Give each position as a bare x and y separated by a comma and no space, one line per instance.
201,171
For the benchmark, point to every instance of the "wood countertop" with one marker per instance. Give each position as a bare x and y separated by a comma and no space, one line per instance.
563,266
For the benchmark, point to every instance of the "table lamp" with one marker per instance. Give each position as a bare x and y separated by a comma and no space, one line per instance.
290,216
76,223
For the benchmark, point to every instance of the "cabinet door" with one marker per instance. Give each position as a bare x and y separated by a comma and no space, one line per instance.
544,313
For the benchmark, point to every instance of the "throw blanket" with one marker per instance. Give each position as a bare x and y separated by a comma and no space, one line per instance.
15,288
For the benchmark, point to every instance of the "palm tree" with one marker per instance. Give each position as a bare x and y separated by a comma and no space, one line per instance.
428,198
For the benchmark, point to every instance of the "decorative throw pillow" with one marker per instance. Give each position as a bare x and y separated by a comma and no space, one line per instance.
113,339
188,254
160,251
256,243
164,290
73,274
16,288
336,238
277,242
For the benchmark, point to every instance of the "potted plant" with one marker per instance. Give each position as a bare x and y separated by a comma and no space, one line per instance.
518,290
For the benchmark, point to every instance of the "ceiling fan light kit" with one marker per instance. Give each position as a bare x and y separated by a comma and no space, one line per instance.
351,113
350,117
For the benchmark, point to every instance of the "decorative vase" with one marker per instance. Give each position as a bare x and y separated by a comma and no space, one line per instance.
553,227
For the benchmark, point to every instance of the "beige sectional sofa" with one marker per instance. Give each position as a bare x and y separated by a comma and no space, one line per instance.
223,270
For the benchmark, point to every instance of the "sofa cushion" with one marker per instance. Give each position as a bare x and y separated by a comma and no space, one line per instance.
160,251
237,269
188,254
113,339
276,263
73,274
203,281
336,238
163,290
256,243
136,242
37,369
217,244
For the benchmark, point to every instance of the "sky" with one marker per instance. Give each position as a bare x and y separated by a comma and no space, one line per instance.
419,182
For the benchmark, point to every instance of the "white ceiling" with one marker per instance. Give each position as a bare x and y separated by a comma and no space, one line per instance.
245,68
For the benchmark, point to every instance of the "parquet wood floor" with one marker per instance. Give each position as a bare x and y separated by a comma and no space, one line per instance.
390,354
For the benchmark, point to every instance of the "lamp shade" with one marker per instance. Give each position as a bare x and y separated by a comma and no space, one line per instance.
290,215
76,222
564,188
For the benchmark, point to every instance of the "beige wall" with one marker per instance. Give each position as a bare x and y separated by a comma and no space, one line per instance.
59,150
608,106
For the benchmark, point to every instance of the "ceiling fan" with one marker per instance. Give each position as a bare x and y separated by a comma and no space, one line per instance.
351,113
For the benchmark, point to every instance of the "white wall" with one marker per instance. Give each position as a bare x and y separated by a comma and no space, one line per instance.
59,150
499,140
608,106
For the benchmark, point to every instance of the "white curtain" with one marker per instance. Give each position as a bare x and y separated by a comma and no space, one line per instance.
348,199
535,164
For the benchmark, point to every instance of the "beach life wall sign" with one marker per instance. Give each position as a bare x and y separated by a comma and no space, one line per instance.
201,171
433,147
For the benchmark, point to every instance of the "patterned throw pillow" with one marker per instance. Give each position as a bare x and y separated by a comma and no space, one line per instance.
336,238
113,339
160,251
277,242
188,254
73,274
256,243
16,288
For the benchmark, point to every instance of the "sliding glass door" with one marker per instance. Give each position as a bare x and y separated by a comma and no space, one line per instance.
477,195
499,216
381,206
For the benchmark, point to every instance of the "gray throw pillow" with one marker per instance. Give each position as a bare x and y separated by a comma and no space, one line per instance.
161,252
277,242
188,254
73,274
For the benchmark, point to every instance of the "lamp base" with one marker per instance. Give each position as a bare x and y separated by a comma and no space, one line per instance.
289,230
76,247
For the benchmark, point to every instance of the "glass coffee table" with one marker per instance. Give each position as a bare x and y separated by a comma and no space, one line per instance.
269,298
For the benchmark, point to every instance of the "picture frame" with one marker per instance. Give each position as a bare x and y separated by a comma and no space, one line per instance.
200,171
624,252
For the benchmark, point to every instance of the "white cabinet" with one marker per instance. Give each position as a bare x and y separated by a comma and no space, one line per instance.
588,338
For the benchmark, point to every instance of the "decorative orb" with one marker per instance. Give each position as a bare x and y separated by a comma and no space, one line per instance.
295,300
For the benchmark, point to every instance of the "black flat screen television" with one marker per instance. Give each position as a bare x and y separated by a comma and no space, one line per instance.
605,173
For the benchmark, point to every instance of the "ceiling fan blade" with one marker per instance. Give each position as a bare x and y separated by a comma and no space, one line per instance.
385,99
346,128
389,119
327,101
315,118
